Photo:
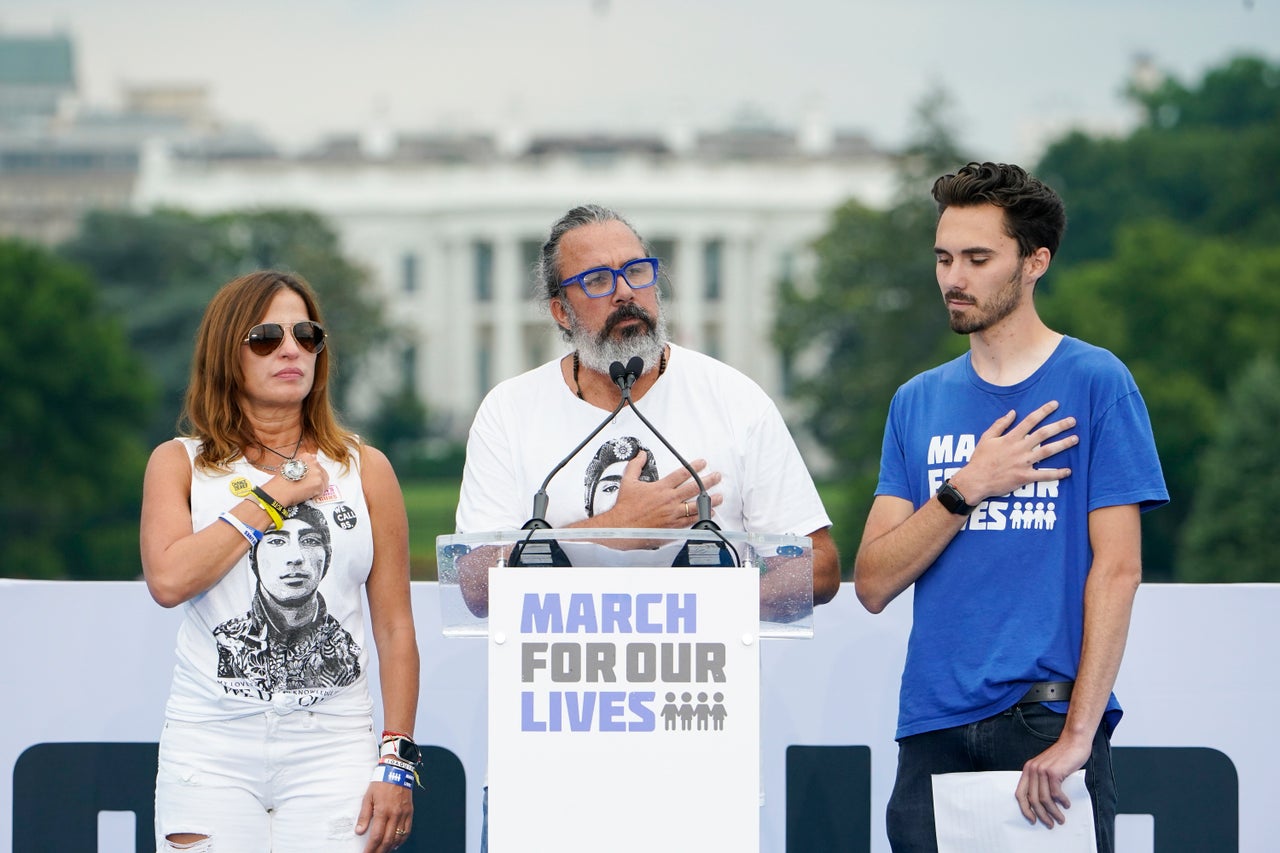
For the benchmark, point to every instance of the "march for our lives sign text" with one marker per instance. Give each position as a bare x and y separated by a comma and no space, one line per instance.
625,691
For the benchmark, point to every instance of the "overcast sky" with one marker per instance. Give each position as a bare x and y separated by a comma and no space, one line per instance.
301,68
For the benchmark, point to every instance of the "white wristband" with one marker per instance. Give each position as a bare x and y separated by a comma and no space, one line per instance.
253,534
392,775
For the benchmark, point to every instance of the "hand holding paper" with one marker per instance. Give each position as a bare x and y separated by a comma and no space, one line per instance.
977,813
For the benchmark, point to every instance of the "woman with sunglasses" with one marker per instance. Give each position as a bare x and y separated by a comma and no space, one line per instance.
264,521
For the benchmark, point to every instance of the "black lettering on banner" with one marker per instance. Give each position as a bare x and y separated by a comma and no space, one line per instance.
1192,792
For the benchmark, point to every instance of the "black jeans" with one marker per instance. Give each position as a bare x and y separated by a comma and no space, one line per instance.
1003,742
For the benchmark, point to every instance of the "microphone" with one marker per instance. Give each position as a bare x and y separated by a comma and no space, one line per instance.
693,553
540,499
624,378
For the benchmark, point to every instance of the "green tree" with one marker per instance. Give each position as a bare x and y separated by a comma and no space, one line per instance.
157,272
399,427
1186,306
75,401
872,315
1228,535
1206,156
1187,314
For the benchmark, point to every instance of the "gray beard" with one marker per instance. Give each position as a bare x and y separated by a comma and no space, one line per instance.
599,352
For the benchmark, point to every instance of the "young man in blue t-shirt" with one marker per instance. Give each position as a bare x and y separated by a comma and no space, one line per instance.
1011,483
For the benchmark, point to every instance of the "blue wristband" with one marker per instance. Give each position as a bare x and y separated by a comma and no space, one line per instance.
253,534
393,775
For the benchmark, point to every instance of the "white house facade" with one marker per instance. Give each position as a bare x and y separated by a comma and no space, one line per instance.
450,229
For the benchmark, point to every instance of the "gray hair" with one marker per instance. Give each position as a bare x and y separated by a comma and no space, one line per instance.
546,272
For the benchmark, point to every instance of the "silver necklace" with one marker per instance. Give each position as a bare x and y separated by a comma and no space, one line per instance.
291,468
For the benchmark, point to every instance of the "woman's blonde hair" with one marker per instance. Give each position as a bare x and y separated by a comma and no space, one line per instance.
212,411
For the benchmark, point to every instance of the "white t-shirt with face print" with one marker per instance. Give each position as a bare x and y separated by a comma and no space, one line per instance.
706,409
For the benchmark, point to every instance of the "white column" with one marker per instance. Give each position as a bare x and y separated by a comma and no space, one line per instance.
461,360
736,312
508,296
690,290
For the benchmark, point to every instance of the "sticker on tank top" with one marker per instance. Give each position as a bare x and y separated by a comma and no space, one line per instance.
328,496
345,517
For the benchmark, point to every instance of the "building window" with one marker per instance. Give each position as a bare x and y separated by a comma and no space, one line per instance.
711,341
786,373
713,269
409,368
535,346
482,252
530,250
409,272
484,363
664,249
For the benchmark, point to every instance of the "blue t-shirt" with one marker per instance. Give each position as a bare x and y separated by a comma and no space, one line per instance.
1003,605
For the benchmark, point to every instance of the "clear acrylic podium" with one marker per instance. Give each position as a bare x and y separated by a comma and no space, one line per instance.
785,563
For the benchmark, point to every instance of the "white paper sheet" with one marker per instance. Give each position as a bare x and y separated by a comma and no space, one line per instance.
977,813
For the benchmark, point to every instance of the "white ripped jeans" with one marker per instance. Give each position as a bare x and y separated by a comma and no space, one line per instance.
268,783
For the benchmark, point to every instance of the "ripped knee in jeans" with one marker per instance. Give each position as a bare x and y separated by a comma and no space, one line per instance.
189,841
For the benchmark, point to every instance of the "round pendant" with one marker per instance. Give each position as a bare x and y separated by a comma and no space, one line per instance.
293,469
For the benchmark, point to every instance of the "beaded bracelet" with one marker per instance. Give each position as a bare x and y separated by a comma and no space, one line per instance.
253,534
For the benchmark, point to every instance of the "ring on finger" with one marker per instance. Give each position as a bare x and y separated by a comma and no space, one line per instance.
685,504
401,832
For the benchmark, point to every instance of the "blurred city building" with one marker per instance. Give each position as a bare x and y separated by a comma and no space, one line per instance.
449,226
60,158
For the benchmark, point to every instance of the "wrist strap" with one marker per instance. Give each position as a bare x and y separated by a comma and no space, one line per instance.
270,506
393,775
253,534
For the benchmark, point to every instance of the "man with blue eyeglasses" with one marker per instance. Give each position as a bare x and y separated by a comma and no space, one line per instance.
599,278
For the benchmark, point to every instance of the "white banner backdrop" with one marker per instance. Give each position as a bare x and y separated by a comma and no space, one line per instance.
92,662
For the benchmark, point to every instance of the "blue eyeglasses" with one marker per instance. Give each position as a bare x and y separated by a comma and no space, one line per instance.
603,281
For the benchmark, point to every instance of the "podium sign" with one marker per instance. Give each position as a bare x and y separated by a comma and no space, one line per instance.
624,709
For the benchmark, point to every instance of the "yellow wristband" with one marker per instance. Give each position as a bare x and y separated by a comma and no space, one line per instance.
270,506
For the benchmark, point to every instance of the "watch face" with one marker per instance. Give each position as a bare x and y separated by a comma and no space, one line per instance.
293,469
408,751
951,498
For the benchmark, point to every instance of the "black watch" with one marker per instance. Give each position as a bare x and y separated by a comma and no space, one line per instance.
405,750
949,496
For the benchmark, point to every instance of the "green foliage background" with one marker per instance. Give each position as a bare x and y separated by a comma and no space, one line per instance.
74,402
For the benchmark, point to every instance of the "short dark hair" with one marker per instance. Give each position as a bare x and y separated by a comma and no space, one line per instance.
1034,215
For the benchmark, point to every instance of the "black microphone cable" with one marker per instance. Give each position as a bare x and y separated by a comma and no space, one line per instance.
540,499
624,379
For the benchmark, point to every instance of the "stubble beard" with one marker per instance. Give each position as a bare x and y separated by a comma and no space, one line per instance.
599,351
1004,303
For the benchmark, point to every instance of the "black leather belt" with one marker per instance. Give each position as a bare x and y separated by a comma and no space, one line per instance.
1048,691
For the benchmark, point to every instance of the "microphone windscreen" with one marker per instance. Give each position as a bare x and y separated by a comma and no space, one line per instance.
617,372
635,367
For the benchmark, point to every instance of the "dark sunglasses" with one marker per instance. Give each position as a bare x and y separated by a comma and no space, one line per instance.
265,338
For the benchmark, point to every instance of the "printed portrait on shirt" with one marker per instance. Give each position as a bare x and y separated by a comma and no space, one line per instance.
288,642
604,472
